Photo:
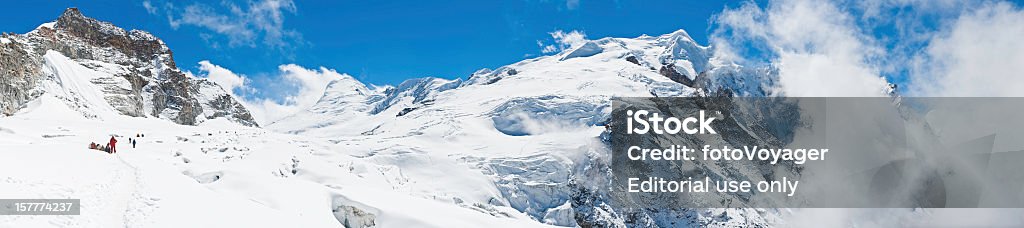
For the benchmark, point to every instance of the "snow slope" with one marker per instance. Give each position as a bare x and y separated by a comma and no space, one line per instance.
519,146
218,174
528,134
72,83
131,73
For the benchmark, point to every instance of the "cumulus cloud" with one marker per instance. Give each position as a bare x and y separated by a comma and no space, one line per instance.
979,54
312,83
567,39
816,46
301,88
827,48
223,77
256,22
563,40
844,48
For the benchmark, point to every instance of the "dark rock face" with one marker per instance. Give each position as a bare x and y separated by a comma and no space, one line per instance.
669,71
135,44
224,105
146,75
174,94
19,72
633,60
405,111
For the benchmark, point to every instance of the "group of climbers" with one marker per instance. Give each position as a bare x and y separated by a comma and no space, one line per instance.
111,146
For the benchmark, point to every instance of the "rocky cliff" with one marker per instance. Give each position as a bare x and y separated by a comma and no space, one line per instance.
134,71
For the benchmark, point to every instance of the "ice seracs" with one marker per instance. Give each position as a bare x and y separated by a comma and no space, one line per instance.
532,129
523,145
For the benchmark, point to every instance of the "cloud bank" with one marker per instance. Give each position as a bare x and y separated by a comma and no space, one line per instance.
853,48
299,88
816,46
845,48
978,54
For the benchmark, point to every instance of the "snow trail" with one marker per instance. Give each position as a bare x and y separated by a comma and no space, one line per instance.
139,205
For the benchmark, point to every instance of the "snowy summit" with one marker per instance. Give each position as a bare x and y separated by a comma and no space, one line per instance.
516,146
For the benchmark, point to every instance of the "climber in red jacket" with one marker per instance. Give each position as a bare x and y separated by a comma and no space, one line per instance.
112,147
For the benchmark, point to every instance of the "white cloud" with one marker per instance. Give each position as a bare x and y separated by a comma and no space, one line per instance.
312,83
149,7
947,48
563,40
572,4
568,39
549,49
299,88
842,48
980,54
816,46
223,77
246,25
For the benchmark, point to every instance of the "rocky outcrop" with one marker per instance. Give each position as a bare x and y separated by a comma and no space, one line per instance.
136,45
19,72
633,60
142,78
221,105
671,72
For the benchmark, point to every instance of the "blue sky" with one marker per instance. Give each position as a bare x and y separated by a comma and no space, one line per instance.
910,43
383,42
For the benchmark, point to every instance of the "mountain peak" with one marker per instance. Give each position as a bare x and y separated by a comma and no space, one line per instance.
114,71
71,12
72,18
73,21
136,44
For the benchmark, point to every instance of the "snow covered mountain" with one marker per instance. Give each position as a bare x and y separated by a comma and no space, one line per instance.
533,128
667,65
98,69
523,145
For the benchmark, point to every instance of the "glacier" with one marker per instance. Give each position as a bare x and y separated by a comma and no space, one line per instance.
522,145
519,146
